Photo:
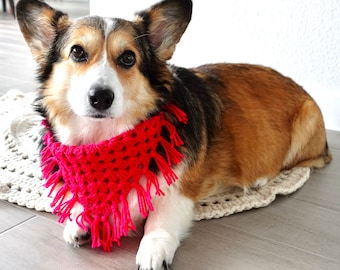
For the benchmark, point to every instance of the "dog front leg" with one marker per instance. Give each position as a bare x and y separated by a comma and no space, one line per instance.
165,227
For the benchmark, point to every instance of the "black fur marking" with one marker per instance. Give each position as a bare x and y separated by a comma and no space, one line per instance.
53,54
151,67
201,105
166,266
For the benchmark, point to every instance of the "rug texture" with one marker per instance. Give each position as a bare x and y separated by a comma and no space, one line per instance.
21,181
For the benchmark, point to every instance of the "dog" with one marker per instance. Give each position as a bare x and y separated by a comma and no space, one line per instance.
100,77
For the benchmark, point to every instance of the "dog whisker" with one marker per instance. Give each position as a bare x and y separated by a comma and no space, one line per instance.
138,37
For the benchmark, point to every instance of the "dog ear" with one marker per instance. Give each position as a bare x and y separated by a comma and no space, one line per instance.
39,24
166,23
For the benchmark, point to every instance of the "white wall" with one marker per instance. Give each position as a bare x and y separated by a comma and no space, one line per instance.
300,39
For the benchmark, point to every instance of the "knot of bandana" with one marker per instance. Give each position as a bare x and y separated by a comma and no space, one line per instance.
101,176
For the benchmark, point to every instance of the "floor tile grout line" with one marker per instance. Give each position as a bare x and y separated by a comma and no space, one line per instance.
17,225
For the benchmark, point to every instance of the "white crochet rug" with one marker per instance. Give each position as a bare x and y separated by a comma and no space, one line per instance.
21,182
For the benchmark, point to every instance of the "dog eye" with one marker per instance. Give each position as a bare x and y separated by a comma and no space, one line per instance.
78,54
127,59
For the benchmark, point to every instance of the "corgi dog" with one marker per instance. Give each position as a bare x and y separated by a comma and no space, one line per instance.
100,77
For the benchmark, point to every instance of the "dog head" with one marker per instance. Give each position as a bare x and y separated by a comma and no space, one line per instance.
101,76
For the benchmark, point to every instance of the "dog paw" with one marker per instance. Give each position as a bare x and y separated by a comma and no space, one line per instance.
75,236
165,267
156,251
260,182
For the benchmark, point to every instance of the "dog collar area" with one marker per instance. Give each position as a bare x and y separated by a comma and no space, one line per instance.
101,176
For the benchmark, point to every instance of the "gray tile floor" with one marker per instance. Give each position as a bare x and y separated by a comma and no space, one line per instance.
300,231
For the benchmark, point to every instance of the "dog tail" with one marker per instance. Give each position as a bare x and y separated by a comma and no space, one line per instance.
327,155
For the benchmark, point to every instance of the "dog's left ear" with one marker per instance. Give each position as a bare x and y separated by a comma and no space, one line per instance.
166,23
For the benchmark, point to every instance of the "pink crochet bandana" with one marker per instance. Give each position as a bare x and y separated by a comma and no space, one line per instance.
101,176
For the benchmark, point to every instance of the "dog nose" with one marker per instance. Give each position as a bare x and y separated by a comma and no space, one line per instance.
101,98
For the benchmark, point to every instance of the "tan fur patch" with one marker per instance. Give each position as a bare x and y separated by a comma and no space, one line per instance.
91,40
308,137
267,119
138,94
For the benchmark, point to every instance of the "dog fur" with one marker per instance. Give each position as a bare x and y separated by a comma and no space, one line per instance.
246,123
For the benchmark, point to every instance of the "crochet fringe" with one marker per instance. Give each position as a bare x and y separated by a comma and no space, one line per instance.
108,223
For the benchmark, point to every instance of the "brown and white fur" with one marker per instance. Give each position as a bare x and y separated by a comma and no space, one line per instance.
101,76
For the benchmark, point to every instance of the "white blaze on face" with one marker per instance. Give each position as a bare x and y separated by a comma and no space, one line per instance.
99,74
